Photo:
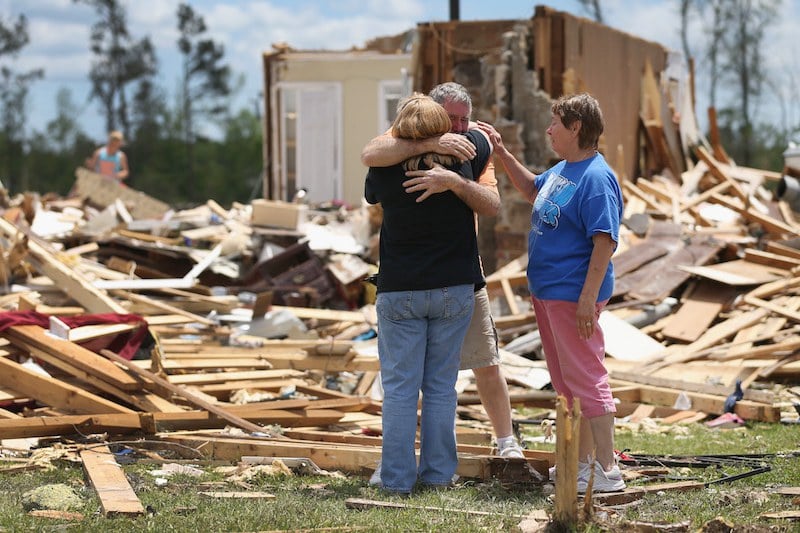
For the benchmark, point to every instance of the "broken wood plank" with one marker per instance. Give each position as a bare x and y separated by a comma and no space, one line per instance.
714,335
67,355
697,311
183,393
117,497
126,423
759,396
771,224
362,504
54,392
720,174
68,280
704,402
162,306
328,456
238,495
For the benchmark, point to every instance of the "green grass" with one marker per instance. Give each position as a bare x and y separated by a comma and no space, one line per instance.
309,502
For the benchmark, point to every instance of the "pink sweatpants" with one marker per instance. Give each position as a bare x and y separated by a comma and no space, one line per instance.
576,365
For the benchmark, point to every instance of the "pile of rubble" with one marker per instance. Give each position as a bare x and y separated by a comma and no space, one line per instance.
250,330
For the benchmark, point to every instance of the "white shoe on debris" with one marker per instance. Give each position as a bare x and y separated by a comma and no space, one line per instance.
511,450
610,481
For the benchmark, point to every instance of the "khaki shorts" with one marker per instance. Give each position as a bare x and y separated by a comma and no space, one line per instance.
480,344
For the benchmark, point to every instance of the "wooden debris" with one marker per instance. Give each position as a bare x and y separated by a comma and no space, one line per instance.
117,498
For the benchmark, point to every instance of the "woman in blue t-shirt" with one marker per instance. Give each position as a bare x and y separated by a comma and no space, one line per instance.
577,207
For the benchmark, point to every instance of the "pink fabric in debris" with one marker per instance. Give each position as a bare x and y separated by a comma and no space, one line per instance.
125,344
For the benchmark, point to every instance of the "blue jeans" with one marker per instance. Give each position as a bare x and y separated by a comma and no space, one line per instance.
419,344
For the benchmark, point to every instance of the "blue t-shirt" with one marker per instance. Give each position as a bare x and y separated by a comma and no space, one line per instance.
574,201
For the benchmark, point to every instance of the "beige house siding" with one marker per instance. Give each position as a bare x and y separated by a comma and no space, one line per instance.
359,76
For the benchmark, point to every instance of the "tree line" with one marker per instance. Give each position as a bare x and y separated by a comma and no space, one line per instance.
164,143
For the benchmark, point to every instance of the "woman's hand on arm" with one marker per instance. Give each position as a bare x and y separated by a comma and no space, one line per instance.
482,200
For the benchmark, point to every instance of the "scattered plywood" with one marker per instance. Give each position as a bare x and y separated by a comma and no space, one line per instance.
736,273
697,312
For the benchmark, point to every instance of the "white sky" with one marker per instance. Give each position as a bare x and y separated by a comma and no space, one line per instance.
59,31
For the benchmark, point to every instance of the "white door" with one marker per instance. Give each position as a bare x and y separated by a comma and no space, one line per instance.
314,155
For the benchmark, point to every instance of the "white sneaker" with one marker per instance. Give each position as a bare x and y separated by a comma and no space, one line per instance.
511,450
610,481
375,478
583,470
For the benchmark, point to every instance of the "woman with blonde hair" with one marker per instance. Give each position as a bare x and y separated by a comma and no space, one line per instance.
429,270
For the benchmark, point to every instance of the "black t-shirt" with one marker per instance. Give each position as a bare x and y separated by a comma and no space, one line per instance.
430,244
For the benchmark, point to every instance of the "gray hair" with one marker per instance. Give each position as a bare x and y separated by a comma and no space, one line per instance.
451,92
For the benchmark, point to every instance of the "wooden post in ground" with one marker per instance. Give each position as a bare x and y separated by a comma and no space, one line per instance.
567,443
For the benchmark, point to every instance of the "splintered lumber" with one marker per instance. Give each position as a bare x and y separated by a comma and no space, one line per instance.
706,403
649,201
775,287
192,420
736,273
232,378
70,281
771,224
791,314
632,494
638,255
67,355
663,276
53,392
717,172
758,396
567,445
771,259
702,197
328,456
296,361
115,493
126,423
183,393
713,336
47,426
156,304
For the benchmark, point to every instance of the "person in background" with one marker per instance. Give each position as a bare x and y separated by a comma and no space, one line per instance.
577,207
109,160
480,350
429,270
